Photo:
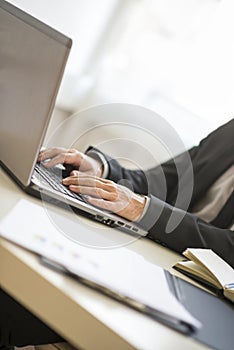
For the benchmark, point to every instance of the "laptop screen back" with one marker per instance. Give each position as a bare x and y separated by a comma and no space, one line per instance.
32,61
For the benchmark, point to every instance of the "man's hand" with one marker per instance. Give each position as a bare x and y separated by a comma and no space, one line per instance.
70,157
107,195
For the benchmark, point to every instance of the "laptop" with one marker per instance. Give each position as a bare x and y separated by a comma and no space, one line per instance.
33,57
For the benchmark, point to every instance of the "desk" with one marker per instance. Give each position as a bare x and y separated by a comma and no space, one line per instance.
86,318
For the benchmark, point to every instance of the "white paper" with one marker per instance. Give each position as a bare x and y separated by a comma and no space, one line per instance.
120,269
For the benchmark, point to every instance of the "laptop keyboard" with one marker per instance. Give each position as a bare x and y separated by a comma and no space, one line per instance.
55,182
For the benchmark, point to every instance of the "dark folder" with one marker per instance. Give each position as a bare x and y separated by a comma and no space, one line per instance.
215,314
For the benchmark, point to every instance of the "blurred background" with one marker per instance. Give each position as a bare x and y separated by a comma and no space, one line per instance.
172,56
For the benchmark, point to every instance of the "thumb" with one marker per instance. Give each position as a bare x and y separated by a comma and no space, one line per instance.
74,173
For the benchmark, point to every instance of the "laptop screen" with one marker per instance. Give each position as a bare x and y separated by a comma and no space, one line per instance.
32,62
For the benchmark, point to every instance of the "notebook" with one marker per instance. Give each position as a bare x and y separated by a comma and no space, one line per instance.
208,268
33,57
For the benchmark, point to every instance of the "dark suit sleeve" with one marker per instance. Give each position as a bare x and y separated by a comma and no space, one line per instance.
133,179
172,226
160,181
191,231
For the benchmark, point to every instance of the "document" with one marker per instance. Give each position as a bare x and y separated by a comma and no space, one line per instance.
122,272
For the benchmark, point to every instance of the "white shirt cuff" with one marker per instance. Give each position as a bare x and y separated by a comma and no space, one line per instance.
147,203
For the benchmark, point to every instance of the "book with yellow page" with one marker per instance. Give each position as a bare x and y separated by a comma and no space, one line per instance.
206,267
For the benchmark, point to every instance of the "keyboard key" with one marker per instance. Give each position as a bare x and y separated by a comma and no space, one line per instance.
55,182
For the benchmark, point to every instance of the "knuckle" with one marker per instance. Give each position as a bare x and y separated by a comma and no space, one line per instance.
100,191
114,197
111,186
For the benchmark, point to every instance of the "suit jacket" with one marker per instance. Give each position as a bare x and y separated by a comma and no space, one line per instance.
176,185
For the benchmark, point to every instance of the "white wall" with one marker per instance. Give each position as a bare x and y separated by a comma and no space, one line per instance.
85,21
174,56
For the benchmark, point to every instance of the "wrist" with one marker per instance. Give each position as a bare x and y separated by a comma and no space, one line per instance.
138,207
98,166
101,163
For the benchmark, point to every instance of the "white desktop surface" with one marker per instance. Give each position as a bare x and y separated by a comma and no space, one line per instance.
84,317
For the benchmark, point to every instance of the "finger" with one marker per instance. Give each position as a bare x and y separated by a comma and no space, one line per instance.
112,207
50,153
91,181
101,203
74,157
83,175
83,178
74,173
94,192
80,180
65,158
59,159
92,186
